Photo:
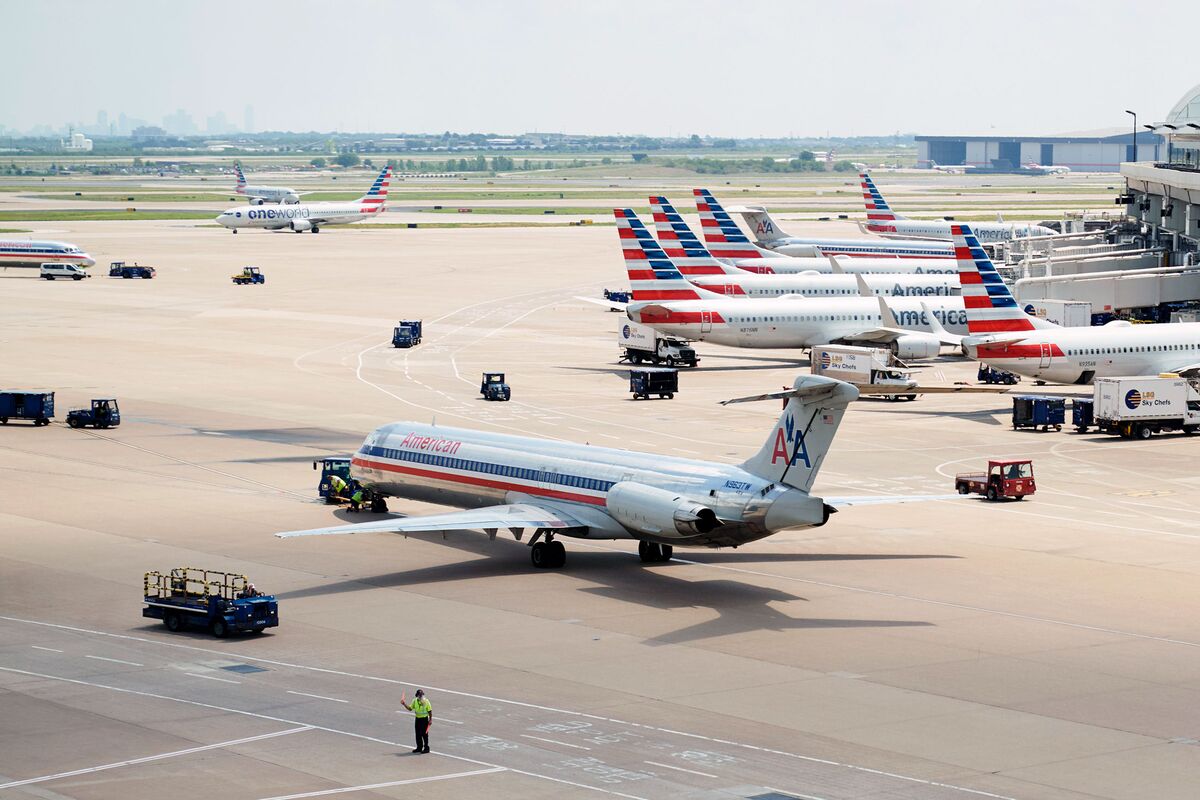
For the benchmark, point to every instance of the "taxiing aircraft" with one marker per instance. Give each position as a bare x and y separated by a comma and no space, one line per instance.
300,217
265,194
881,219
664,300
700,267
1043,169
31,253
723,237
1003,335
958,169
561,489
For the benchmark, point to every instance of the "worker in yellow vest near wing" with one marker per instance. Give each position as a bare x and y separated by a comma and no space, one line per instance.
423,714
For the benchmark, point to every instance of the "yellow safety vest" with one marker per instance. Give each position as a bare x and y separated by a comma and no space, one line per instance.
421,707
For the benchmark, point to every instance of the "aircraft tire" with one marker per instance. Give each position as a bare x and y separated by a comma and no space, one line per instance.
539,555
558,555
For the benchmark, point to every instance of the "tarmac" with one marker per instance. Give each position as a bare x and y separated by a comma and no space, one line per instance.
956,649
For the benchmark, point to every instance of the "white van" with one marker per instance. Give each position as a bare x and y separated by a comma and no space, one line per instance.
72,271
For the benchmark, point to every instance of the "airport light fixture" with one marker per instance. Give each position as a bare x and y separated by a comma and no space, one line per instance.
1135,150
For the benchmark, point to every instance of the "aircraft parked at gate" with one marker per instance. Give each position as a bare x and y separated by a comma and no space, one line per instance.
265,194
300,217
726,240
664,300
1003,335
700,268
565,489
32,253
882,220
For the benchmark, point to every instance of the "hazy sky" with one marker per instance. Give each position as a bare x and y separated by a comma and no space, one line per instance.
729,68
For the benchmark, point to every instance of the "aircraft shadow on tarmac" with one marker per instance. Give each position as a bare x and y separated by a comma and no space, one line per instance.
987,416
328,439
741,607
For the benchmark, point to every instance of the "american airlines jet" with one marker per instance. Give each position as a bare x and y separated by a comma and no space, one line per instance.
664,300
883,220
265,194
1003,335
561,489
300,217
701,268
31,253
723,230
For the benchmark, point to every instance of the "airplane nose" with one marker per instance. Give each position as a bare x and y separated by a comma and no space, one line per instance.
88,261
223,220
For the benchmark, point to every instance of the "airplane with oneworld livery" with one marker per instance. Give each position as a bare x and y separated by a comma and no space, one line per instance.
881,219
556,489
300,217
701,268
1002,334
726,241
663,299
32,253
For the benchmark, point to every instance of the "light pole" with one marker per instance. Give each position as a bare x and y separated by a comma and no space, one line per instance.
1135,152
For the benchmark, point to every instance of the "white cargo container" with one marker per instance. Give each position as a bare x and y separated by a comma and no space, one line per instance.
643,343
863,366
1067,313
1138,407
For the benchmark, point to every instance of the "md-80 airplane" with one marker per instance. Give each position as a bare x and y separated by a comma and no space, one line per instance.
726,240
1003,335
300,217
31,253
559,488
701,268
883,220
664,300
265,194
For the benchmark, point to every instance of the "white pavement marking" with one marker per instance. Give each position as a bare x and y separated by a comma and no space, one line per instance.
370,786
552,709
318,696
555,741
451,721
680,769
790,793
209,677
47,649
338,731
116,661
158,757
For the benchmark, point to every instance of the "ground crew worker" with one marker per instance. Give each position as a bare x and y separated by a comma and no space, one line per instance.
423,715
356,499
338,487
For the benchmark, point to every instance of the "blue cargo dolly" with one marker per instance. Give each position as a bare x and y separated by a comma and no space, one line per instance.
1038,411
1083,413
221,602
37,406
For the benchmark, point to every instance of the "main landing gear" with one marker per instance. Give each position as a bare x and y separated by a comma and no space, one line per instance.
655,553
547,554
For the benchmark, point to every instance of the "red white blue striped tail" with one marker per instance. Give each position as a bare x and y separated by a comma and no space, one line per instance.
372,202
241,179
722,235
990,306
681,244
878,209
652,274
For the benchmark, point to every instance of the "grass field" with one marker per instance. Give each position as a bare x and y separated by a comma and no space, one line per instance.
99,215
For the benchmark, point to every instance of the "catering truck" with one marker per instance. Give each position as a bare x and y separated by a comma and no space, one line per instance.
862,366
642,343
1137,408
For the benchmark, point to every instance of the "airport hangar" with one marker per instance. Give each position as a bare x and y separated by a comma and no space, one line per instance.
1164,194
1082,153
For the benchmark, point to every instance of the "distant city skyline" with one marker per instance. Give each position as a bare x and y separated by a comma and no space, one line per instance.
747,70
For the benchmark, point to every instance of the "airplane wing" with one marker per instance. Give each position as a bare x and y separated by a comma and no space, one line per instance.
517,515
890,330
880,500
1187,371
605,303
886,390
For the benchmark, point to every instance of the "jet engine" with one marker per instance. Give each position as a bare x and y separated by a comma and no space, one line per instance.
658,512
299,225
916,345
257,201
291,199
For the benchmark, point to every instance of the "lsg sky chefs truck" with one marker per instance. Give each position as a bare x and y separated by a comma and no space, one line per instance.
1137,408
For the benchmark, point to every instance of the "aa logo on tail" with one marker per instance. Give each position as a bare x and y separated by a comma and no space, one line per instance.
764,227
788,435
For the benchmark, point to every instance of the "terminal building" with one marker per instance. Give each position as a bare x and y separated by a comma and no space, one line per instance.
1008,153
1163,193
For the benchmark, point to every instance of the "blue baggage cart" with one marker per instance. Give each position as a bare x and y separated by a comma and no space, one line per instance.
37,406
221,602
1083,413
1038,412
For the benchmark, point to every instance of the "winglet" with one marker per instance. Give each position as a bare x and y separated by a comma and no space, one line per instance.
945,336
863,289
835,265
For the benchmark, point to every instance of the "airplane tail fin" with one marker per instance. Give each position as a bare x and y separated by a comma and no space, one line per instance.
682,245
990,306
796,448
878,209
722,235
652,273
241,178
764,226
374,200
